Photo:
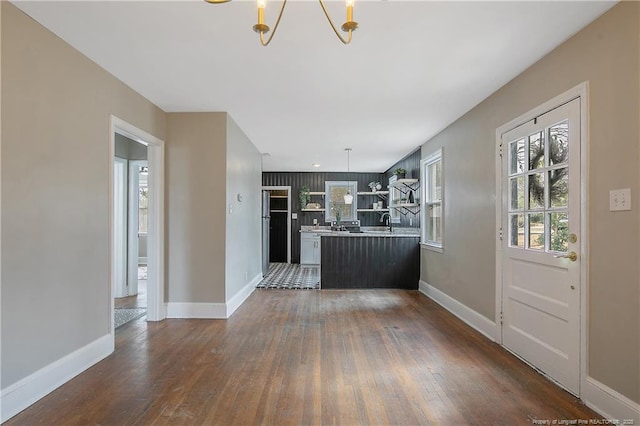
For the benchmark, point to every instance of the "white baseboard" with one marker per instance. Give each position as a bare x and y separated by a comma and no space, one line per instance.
196,310
25,392
466,314
212,310
239,298
611,404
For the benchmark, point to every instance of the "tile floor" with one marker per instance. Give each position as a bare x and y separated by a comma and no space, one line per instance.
291,276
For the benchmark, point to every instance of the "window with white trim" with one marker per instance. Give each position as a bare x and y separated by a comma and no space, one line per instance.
432,204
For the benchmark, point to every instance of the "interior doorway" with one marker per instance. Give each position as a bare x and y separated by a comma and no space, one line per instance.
280,223
137,220
131,229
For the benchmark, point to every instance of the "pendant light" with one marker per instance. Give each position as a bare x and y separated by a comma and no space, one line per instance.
348,198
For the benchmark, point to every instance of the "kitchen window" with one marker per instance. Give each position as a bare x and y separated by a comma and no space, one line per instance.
335,202
433,204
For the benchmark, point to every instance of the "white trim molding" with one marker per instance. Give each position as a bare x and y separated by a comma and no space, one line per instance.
27,391
239,298
611,404
155,242
473,319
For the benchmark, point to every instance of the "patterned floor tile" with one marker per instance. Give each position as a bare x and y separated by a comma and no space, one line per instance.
291,276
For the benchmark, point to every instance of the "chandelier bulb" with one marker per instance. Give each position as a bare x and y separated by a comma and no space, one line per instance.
262,4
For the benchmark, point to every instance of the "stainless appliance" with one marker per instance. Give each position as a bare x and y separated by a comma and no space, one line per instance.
266,229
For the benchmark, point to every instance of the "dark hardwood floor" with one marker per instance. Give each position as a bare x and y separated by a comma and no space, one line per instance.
294,357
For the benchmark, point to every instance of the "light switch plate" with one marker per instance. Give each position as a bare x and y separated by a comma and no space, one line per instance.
620,199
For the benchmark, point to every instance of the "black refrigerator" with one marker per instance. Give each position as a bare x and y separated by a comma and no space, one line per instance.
266,225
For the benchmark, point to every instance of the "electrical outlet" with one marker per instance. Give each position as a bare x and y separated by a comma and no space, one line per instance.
315,221
620,199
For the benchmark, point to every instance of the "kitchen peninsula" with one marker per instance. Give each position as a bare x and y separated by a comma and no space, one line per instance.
368,259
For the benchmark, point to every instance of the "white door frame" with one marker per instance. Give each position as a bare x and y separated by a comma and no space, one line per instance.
288,189
155,267
581,92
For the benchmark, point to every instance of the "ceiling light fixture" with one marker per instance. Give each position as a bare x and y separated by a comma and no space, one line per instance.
316,165
261,28
348,197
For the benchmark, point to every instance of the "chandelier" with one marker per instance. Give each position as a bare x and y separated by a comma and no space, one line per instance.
261,28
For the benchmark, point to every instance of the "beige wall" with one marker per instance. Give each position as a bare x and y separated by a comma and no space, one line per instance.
56,105
606,54
195,207
243,226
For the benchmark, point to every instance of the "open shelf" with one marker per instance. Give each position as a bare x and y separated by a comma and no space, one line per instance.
373,210
374,193
312,210
405,208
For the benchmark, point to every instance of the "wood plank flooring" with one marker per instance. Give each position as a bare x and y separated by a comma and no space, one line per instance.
325,357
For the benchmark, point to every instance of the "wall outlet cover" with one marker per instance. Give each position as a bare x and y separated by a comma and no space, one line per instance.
620,199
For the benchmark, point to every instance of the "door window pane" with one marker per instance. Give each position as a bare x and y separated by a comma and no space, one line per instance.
517,193
558,187
536,191
536,231
516,156
559,143
516,230
559,230
536,151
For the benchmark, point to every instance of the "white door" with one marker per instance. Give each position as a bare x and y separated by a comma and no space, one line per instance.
541,243
120,227
133,224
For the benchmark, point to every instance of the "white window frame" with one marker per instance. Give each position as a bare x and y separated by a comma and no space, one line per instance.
426,200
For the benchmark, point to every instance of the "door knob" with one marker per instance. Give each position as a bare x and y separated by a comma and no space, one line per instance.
572,256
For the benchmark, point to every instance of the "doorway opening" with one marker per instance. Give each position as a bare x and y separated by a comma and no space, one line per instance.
131,228
278,207
137,224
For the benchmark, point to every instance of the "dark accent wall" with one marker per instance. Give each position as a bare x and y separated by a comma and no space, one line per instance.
412,164
315,182
370,262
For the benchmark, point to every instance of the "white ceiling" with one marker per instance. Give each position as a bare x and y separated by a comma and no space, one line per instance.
413,67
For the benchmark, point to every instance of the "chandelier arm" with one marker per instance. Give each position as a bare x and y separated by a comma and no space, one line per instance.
324,9
275,27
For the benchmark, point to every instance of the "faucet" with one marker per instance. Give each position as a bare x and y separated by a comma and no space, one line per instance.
388,223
